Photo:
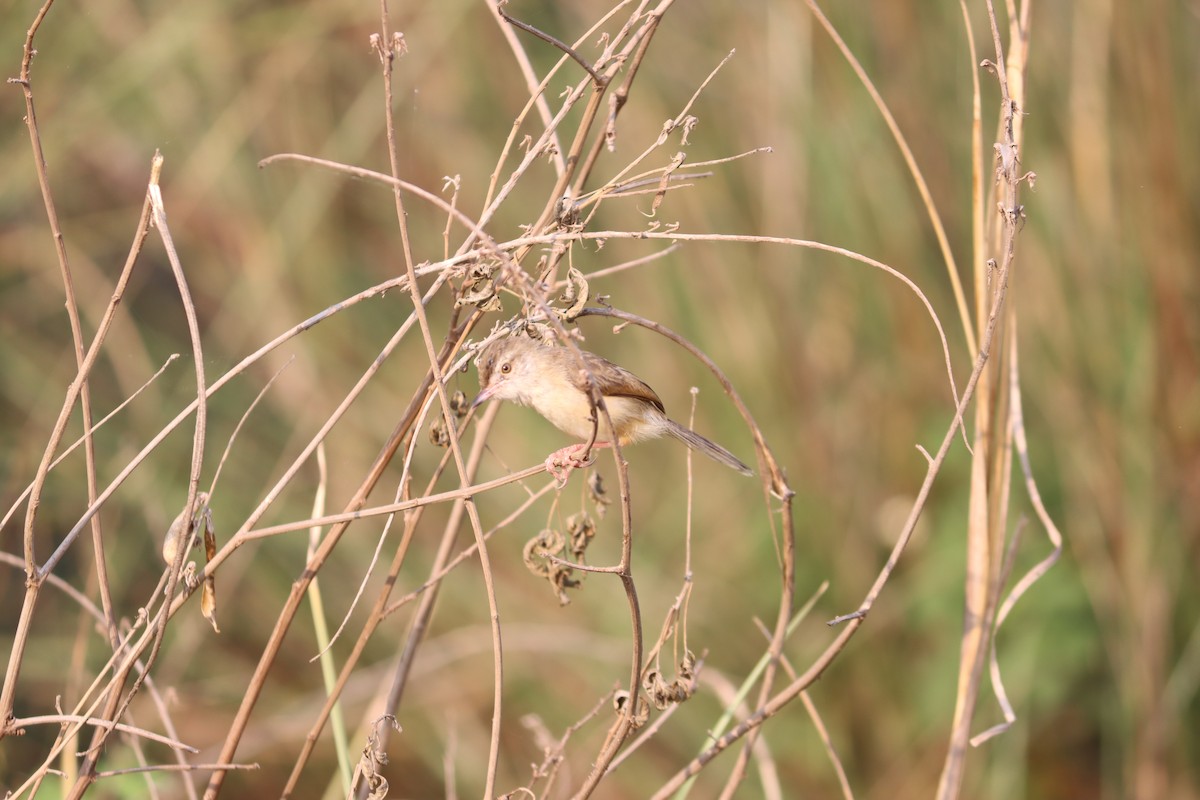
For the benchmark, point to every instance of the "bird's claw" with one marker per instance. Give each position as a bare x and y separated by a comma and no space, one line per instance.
561,462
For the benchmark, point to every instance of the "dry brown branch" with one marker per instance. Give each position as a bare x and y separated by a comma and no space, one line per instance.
35,574
992,457
20,724
115,705
175,768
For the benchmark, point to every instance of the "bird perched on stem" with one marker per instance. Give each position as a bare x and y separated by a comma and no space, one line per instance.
554,381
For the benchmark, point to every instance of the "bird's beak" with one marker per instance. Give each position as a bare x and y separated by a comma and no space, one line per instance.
483,397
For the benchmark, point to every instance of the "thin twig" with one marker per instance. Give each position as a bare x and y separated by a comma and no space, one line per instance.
918,177
67,451
175,768
598,79
21,723
116,707
388,53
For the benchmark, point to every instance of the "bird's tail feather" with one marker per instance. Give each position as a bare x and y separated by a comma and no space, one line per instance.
708,448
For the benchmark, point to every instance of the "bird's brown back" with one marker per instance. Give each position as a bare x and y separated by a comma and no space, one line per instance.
613,381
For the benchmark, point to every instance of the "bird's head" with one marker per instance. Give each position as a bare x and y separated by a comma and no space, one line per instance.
506,370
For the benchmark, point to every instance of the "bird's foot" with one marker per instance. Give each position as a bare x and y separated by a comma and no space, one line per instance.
561,462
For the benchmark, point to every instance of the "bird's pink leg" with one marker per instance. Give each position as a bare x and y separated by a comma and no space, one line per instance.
561,462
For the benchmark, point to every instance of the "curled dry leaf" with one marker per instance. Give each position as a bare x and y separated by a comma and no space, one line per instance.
540,331
179,532
539,553
665,693
599,495
208,595
180,535
582,529
459,404
621,702
665,181
689,124
547,543
373,757
576,294
439,435
566,212
478,289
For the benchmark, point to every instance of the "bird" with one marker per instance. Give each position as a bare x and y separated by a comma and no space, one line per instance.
553,380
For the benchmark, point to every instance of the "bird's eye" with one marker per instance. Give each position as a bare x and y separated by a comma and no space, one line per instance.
506,368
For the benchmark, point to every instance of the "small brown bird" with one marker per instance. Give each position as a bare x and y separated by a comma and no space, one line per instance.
550,380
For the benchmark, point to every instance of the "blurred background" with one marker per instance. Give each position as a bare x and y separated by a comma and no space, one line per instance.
839,363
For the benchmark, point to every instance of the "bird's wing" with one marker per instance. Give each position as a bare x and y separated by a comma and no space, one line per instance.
614,381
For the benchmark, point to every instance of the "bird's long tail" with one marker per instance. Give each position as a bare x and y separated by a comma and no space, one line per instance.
708,448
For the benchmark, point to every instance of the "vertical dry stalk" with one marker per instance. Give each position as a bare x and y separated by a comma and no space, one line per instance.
991,462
